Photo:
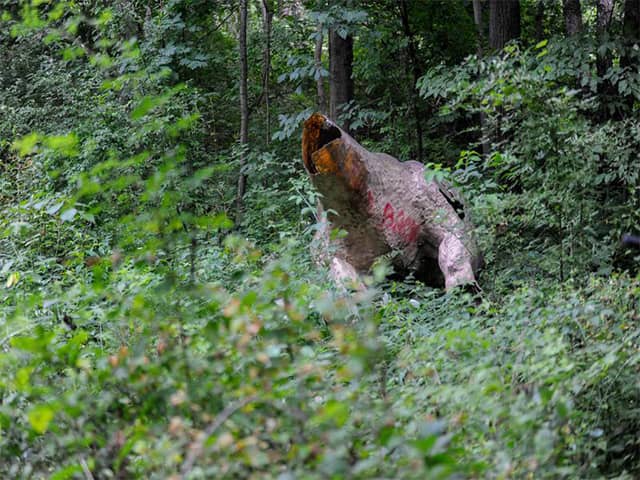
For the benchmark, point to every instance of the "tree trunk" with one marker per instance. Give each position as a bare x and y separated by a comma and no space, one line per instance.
244,107
604,62
322,97
340,71
631,33
267,17
572,17
630,30
604,13
504,22
631,25
539,21
477,18
415,68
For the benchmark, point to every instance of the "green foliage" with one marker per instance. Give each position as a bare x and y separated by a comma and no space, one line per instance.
565,181
143,334
538,384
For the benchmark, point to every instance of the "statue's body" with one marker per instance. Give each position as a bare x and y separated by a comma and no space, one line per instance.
385,206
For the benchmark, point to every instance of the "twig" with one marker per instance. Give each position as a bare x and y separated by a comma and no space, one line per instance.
13,334
222,417
85,470
222,22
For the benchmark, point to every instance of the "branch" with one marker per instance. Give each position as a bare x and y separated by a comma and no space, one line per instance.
222,417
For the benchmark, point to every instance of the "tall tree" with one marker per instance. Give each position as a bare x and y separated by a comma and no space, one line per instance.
539,20
604,13
477,18
244,106
572,16
631,37
340,72
317,57
631,24
267,18
504,22
416,73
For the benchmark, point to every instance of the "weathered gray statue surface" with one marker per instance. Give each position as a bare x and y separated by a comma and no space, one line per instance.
385,206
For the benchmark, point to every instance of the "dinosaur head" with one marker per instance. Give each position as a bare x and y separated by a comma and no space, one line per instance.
330,155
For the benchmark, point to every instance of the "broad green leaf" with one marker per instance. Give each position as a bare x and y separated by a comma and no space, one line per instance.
40,417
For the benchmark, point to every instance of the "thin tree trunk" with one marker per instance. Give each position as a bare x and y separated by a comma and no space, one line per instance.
539,21
631,26
630,30
415,68
572,17
244,107
631,33
604,13
340,72
267,17
477,18
604,62
504,22
322,96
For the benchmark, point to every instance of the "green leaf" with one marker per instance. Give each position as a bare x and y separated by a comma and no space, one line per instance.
27,144
40,417
23,377
145,106
385,434
338,412
66,145
541,44
67,472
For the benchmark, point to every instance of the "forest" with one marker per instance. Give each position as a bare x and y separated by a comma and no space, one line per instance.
162,314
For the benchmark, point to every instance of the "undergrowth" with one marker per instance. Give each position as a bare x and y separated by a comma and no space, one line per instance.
144,335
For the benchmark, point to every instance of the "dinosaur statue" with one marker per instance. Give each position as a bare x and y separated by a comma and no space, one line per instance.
386,207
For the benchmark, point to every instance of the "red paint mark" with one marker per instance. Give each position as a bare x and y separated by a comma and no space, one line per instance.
370,201
395,221
387,216
400,224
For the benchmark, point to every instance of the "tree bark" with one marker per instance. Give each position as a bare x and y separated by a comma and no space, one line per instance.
477,18
539,21
572,17
417,73
340,72
504,22
603,20
244,107
631,37
267,17
631,25
317,57
604,13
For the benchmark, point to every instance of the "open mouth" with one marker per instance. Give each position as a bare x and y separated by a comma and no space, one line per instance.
318,131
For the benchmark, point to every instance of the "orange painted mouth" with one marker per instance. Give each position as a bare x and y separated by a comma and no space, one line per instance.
330,153
318,131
